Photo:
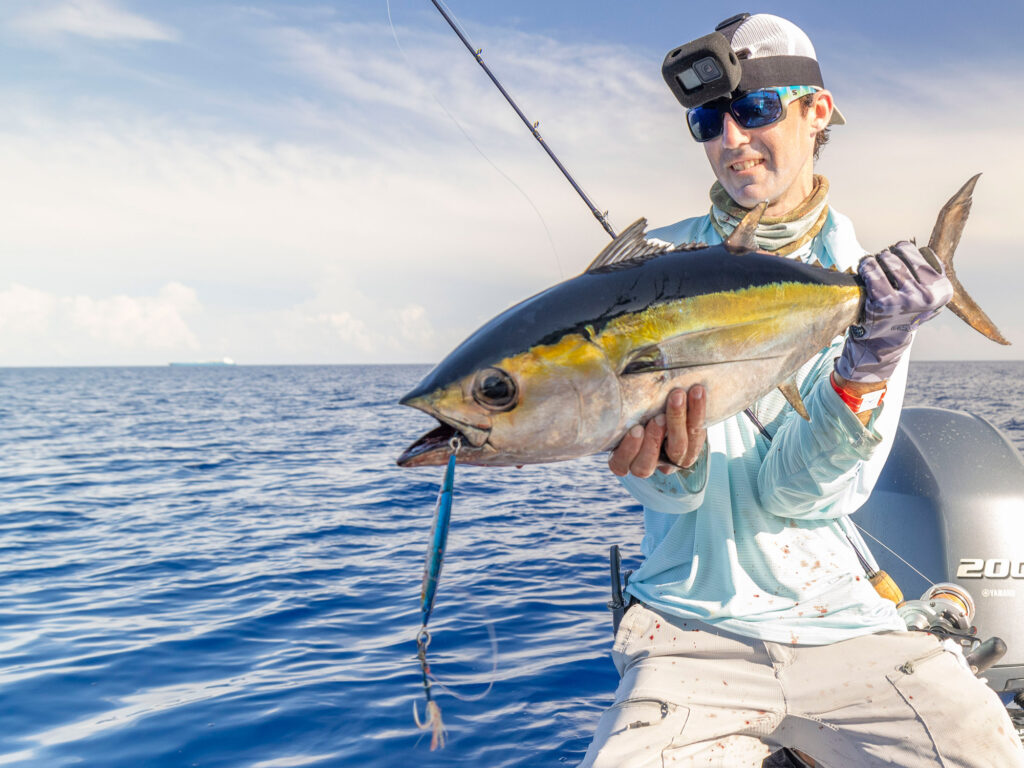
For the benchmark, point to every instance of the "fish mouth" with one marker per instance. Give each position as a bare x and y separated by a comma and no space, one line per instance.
434,448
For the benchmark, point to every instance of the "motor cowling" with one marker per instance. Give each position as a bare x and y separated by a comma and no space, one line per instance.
950,501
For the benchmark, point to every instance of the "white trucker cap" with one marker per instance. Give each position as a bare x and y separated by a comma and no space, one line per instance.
764,36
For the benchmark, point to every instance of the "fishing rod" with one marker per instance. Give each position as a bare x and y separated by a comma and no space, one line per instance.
477,54
603,219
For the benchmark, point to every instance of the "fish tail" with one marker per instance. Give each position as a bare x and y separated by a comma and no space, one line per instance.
943,242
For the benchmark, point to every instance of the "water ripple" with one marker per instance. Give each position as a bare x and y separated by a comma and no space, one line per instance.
221,567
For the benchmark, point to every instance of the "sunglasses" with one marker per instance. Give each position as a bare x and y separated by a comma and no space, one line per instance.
751,110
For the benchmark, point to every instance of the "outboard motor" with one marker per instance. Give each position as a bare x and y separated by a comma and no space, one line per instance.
950,501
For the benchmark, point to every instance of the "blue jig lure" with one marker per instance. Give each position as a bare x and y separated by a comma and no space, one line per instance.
431,576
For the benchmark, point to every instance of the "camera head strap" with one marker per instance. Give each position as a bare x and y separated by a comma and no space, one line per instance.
709,67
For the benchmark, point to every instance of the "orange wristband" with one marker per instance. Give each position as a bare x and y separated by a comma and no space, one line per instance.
858,403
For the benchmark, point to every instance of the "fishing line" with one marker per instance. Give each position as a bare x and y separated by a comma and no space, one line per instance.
423,637
602,217
431,578
559,525
894,554
868,568
536,210
493,635
432,568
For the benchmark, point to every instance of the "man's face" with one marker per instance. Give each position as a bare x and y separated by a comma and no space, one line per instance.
775,162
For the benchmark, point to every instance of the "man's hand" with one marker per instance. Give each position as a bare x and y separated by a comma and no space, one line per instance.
680,429
902,289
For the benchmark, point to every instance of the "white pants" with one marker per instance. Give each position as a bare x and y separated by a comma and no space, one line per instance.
694,696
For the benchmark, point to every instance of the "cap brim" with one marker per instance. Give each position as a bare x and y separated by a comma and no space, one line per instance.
837,116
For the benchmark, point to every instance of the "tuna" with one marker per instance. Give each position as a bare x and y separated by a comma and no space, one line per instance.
567,372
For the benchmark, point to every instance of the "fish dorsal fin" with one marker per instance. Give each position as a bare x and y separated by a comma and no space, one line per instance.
792,394
742,239
629,245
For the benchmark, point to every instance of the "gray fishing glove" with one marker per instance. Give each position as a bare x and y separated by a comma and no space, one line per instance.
903,288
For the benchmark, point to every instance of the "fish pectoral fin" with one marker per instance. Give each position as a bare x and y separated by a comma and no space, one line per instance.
789,391
707,346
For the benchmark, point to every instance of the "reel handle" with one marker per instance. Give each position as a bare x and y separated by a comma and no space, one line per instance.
986,654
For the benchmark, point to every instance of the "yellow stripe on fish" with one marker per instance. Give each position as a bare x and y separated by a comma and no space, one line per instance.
727,318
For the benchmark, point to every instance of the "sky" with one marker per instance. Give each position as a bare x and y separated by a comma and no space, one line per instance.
300,182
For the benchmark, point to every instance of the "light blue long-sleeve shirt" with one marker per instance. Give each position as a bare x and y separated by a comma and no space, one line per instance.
755,540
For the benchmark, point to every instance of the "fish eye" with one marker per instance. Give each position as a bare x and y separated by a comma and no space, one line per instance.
494,389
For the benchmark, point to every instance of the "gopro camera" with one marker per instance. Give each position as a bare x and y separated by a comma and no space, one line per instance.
702,71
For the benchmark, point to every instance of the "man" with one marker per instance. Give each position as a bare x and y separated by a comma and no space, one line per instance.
753,626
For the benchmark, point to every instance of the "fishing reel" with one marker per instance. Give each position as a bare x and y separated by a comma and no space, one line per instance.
947,610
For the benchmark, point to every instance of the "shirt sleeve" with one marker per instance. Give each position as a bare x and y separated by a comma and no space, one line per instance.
672,494
825,468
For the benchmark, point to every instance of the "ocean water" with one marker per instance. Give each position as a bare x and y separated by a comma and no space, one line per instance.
221,567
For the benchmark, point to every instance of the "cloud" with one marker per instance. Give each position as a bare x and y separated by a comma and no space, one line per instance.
38,326
374,232
408,324
349,329
390,97
155,322
414,325
25,310
371,329
94,19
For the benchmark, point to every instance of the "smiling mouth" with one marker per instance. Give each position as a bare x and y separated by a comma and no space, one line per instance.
744,165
